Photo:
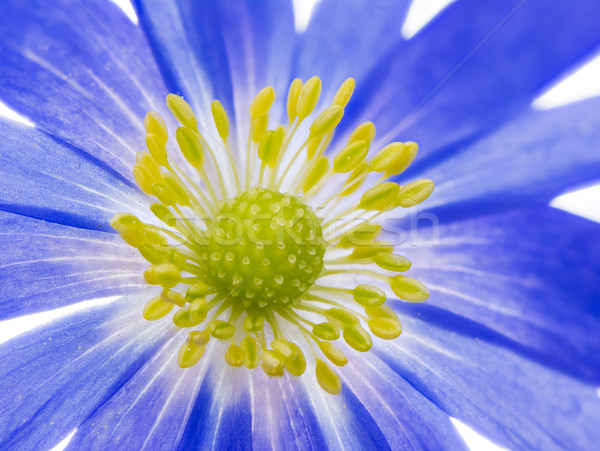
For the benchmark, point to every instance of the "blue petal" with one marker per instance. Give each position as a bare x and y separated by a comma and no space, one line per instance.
345,39
473,67
528,161
468,371
81,71
150,410
409,420
57,375
531,276
221,50
48,179
46,266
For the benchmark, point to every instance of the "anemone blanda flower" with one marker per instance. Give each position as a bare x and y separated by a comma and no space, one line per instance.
506,341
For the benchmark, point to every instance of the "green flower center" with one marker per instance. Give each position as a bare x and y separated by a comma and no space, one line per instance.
264,248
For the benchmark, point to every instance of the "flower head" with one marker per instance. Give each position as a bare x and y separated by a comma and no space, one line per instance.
243,258
268,135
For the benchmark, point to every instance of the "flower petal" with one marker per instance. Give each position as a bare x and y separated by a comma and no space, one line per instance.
529,161
529,275
55,376
46,178
150,410
468,371
473,67
407,418
45,266
81,71
221,50
345,39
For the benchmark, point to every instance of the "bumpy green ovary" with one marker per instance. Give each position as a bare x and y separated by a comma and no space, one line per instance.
264,248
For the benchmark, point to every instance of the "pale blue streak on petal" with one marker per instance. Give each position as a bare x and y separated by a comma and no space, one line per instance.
381,399
346,38
81,71
46,178
56,376
150,410
529,275
528,161
469,372
221,50
45,266
473,67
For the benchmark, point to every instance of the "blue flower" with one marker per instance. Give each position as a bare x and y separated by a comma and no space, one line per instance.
507,341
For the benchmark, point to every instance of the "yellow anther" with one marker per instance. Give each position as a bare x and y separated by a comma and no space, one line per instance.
157,149
269,147
386,328
183,318
221,329
392,262
199,337
364,132
327,378
394,158
414,193
260,128
126,223
358,338
351,184
165,274
235,355
221,120
297,365
198,310
381,311
251,349
189,354
363,235
154,238
163,193
272,363
190,146
380,196
262,103
316,174
145,160
254,323
151,253
155,125
177,190
342,96
326,121
409,289
292,99
198,290
308,98
333,353
173,297
368,296
315,143
284,348
182,111
143,179
156,309
163,213
367,251
343,316
326,331
350,156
